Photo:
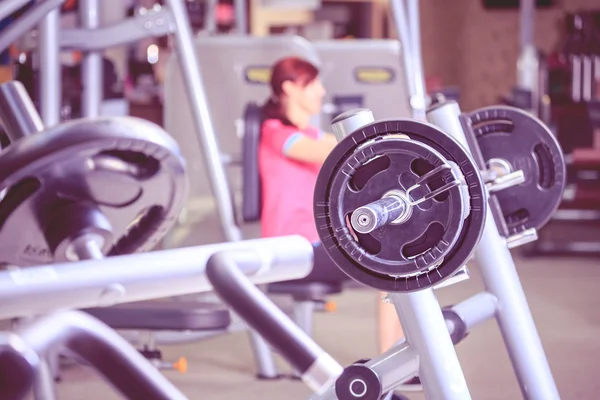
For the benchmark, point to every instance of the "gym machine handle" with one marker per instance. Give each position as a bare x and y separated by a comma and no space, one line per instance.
93,342
317,368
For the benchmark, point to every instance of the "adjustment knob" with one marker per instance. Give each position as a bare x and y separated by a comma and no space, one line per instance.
350,121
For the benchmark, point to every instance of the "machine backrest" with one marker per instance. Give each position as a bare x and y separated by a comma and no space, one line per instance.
251,182
363,73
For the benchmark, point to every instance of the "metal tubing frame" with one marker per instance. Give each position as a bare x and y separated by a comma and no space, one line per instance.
133,29
93,342
137,277
502,281
425,330
27,21
241,15
91,63
406,20
17,111
317,368
50,78
7,7
190,69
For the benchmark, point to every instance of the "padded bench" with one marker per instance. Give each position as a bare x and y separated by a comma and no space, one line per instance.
164,315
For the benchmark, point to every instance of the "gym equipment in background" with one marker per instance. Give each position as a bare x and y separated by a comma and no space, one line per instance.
92,39
88,189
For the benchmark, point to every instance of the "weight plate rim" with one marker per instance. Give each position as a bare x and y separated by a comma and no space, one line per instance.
555,149
123,133
473,225
338,222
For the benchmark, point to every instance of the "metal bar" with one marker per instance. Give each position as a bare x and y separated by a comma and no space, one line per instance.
17,112
397,365
526,23
427,334
26,22
317,368
50,77
401,22
91,64
419,100
43,385
502,281
210,17
7,7
105,350
133,29
241,17
122,279
190,70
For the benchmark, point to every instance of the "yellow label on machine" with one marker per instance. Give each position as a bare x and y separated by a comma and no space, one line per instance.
374,74
260,75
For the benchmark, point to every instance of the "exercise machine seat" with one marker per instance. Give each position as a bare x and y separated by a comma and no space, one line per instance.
251,186
164,315
301,291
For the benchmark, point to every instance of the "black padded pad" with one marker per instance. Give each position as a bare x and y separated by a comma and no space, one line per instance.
251,193
305,290
164,315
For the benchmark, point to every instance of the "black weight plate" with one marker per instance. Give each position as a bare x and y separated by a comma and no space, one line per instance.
128,168
511,134
394,249
451,150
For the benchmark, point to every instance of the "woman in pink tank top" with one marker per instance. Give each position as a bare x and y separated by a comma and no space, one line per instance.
290,156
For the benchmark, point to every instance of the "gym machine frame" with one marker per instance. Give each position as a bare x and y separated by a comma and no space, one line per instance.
92,39
420,314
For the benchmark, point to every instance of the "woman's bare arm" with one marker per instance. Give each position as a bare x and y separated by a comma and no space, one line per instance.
311,150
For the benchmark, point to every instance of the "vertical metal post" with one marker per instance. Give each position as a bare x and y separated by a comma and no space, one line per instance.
427,335
190,70
501,280
43,385
91,64
419,99
241,17
407,28
50,89
210,16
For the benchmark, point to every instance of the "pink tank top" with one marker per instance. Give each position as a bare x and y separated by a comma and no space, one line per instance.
287,185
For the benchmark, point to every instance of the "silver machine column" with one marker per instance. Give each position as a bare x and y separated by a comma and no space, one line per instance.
420,313
501,280
91,64
50,79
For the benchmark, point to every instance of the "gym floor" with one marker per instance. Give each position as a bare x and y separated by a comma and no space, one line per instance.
562,293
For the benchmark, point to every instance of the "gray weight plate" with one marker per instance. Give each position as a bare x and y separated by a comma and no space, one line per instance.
129,169
522,141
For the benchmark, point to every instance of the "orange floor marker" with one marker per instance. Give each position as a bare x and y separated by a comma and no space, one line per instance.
181,365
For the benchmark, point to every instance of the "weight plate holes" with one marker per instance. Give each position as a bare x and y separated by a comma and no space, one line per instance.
16,195
365,172
545,166
432,235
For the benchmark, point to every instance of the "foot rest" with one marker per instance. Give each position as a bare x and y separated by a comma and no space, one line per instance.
305,290
164,315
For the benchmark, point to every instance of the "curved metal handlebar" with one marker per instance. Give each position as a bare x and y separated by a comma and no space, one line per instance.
89,340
